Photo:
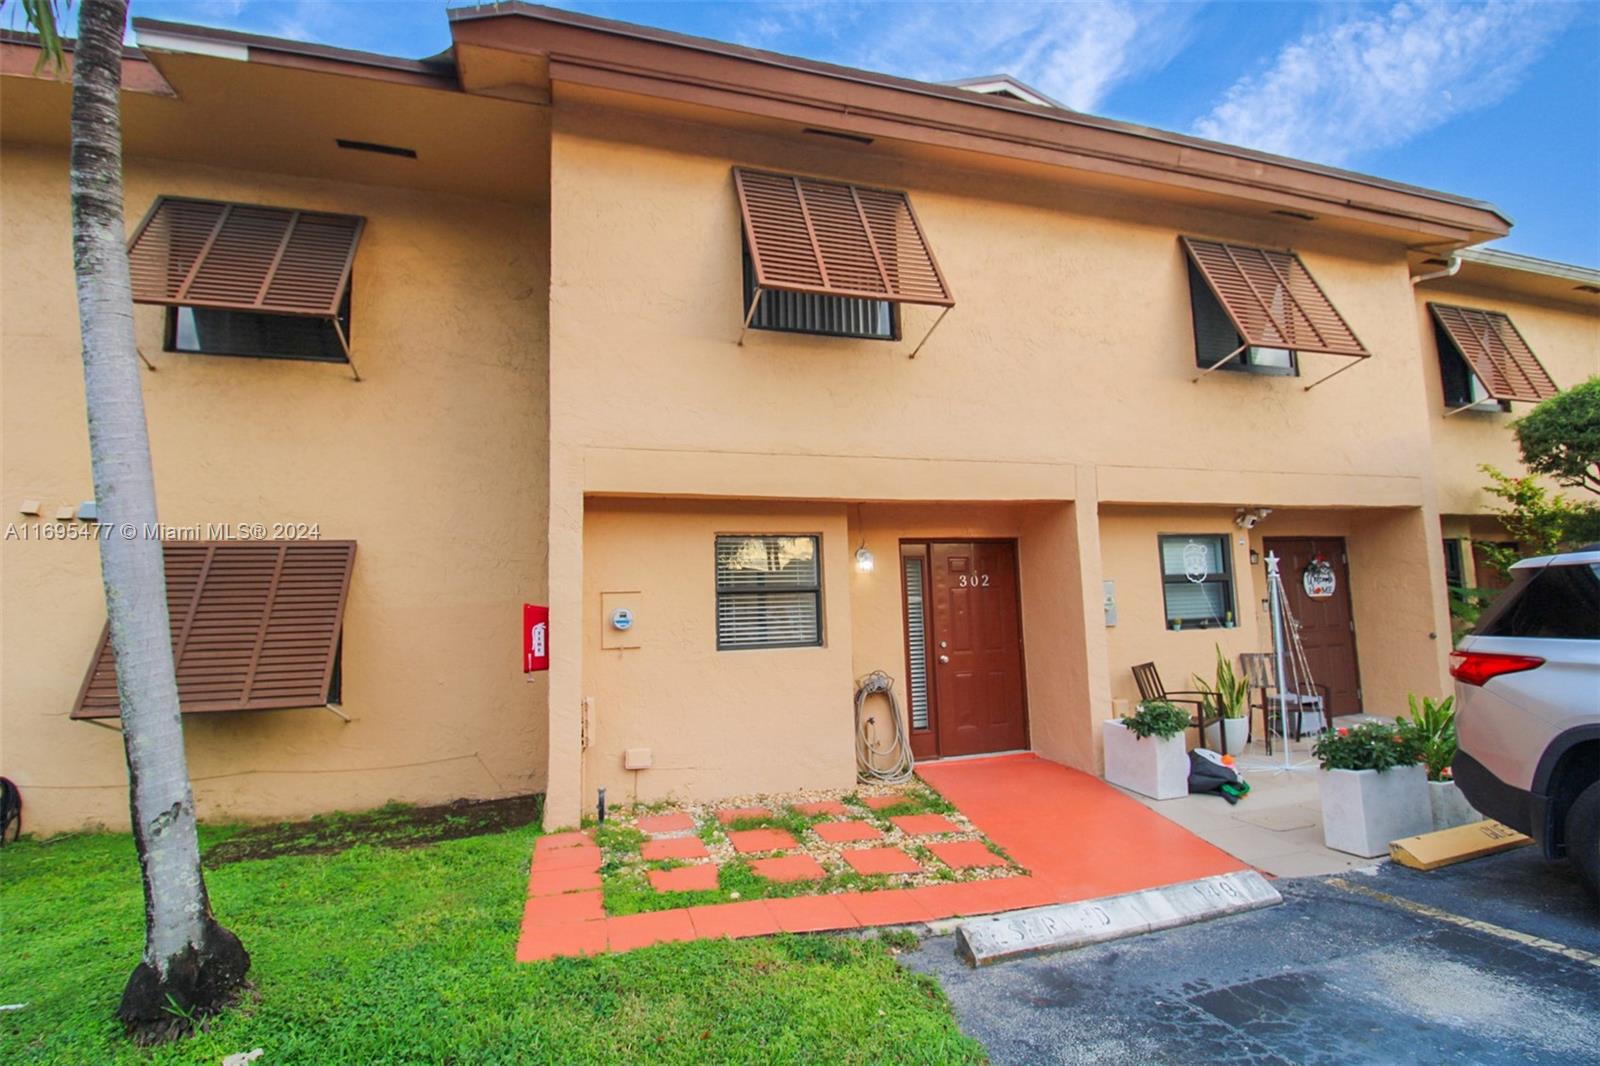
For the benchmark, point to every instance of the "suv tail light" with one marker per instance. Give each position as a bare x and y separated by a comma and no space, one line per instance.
1477,667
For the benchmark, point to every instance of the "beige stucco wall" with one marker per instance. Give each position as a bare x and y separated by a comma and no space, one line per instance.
434,463
1565,337
1063,374
717,723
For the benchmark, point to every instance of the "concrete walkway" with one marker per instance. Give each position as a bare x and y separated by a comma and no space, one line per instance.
1277,828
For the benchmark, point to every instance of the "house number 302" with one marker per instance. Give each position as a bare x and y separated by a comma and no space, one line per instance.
973,581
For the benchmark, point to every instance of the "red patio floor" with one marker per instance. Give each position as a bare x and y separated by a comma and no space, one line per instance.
1078,838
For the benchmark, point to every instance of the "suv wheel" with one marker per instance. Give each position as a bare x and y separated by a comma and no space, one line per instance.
1583,836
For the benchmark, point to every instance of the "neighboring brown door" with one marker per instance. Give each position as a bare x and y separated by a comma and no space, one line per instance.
1327,629
975,650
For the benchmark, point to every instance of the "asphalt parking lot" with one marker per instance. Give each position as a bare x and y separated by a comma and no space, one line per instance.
1496,960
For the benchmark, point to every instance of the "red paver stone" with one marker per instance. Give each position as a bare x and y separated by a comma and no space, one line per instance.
673,848
587,858
844,832
881,861
676,822
788,868
919,825
889,907
547,942
747,918
965,854
811,914
822,807
752,840
878,803
559,910
734,814
555,882
652,927
557,841
702,878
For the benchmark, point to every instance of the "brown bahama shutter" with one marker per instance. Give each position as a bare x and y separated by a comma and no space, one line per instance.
242,257
255,626
1496,352
834,239
1272,299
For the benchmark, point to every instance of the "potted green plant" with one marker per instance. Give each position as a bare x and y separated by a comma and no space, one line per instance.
1145,752
1373,786
1432,725
1226,696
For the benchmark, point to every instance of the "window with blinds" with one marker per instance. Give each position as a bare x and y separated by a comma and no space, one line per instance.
1197,581
917,641
769,592
828,316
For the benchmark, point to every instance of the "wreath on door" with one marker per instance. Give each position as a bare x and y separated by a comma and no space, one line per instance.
1318,577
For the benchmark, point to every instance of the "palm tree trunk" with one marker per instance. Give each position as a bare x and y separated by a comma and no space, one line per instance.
190,962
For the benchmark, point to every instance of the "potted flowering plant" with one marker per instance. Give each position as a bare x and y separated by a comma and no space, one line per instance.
1432,724
1145,751
1227,697
1374,788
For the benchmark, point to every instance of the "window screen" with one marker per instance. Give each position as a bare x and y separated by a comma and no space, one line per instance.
215,331
1196,582
1215,337
769,592
917,641
832,316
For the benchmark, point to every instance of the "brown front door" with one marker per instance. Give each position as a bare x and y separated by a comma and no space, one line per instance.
975,648
1327,627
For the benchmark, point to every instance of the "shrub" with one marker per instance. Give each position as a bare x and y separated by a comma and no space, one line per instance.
1432,726
1369,746
1157,718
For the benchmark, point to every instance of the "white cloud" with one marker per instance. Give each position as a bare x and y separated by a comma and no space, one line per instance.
1381,79
1076,52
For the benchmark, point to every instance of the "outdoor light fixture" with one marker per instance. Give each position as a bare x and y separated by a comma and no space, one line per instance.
864,560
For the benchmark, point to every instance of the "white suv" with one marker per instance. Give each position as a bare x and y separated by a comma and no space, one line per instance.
1528,707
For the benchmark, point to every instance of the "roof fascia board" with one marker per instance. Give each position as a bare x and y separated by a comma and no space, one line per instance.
1527,264
868,122
157,36
598,43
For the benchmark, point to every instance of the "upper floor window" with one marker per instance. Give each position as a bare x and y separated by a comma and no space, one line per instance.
828,258
1258,309
1484,362
240,279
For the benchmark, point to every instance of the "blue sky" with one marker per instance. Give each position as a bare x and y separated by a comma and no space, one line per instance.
1498,100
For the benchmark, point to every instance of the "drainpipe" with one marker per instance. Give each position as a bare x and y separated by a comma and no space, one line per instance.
1452,265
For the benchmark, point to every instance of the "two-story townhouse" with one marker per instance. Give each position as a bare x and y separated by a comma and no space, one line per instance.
762,374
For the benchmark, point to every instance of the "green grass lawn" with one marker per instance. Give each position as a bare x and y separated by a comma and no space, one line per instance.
380,955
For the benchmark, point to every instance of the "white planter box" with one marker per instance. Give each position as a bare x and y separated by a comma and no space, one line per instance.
1232,740
1363,810
1151,767
1450,808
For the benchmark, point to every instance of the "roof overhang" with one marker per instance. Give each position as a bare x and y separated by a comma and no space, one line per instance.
616,60
219,98
1508,274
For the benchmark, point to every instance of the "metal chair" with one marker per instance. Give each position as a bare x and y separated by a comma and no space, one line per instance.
1260,670
1148,678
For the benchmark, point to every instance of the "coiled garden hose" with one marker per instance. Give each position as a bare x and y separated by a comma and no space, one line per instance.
891,763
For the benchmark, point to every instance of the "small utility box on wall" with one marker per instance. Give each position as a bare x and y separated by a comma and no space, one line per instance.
621,619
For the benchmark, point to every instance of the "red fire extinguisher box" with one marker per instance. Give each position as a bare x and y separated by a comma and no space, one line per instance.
535,638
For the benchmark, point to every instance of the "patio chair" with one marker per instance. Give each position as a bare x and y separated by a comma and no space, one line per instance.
1148,678
1260,669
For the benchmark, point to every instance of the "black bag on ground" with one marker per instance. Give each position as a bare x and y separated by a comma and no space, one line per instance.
1208,775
